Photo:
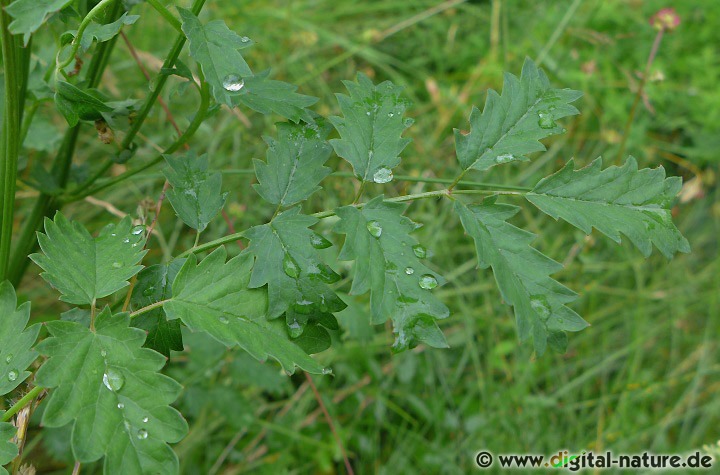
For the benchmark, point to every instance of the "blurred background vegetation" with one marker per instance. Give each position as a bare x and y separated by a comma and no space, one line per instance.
643,377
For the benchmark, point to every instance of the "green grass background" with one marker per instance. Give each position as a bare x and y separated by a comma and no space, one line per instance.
644,376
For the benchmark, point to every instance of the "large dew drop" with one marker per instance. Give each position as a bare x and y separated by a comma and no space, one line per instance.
383,175
233,83
427,282
319,242
113,380
374,229
540,304
290,266
505,158
545,120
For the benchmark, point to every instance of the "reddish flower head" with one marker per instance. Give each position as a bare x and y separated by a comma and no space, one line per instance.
666,19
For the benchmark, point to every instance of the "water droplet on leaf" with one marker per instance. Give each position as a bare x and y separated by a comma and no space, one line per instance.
295,329
303,307
409,270
103,353
244,39
427,282
540,304
319,242
116,265
121,405
327,275
224,320
545,120
383,175
233,83
142,434
505,158
420,252
290,266
113,380
12,375
374,229
137,230
8,358
145,419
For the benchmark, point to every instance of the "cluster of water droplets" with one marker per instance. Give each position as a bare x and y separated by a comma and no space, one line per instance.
12,374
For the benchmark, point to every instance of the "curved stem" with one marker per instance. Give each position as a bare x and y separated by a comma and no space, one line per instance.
182,140
638,94
97,9
145,111
165,13
24,401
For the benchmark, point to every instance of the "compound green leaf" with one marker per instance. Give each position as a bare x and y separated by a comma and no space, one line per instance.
371,128
512,124
76,104
8,450
522,274
616,200
213,297
85,268
294,166
30,14
216,48
389,264
16,342
287,261
268,96
100,33
109,388
154,283
195,193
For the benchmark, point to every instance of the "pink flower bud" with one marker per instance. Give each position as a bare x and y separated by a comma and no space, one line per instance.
666,19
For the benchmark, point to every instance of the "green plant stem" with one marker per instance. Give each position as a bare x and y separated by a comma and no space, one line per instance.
75,45
165,13
182,140
152,306
326,214
638,94
142,115
10,145
46,204
24,401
